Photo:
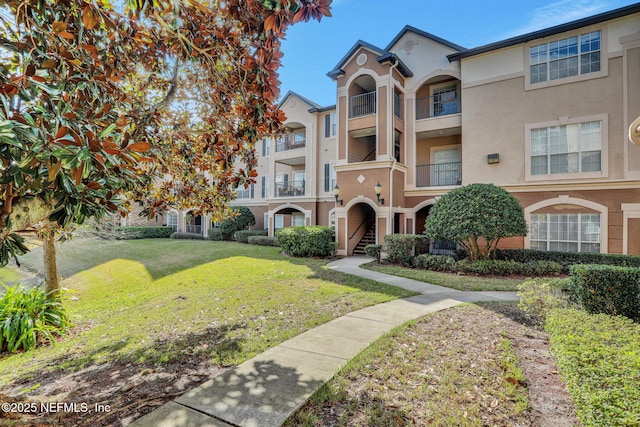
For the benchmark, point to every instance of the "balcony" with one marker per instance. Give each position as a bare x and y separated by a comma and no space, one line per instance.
290,143
363,105
441,104
440,174
290,189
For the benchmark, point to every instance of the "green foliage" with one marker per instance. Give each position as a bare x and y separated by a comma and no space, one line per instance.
436,262
307,241
402,248
262,241
567,259
135,232
476,216
373,251
506,268
599,361
487,267
242,236
215,234
12,248
27,317
540,296
607,289
187,236
241,220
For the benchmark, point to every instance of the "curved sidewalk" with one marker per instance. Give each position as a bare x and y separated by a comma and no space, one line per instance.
266,390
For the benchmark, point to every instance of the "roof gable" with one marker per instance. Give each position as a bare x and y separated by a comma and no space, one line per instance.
291,93
409,28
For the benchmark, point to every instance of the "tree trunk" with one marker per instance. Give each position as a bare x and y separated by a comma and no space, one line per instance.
50,266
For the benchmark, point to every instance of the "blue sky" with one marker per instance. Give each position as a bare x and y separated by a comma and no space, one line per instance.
312,49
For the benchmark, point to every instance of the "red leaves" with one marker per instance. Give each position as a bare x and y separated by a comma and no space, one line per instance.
88,18
140,147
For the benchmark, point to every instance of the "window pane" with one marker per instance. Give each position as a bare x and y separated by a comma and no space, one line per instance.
591,161
538,73
539,165
559,163
538,141
558,139
591,136
590,62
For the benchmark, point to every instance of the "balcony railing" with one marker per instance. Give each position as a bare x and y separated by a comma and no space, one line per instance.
436,175
290,189
194,229
288,144
363,105
441,104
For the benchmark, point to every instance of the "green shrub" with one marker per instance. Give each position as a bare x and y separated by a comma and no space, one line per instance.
373,251
242,236
436,262
508,267
307,241
187,236
402,248
241,220
540,296
597,356
135,232
262,241
27,317
476,217
607,289
215,234
567,259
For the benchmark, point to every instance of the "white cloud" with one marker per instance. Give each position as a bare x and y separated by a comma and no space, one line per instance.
561,12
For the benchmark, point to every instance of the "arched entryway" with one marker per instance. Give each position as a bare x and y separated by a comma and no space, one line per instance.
361,228
288,217
193,222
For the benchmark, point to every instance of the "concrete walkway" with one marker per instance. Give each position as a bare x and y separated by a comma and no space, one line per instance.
266,390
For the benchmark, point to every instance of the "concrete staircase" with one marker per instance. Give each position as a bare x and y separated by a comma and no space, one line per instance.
369,238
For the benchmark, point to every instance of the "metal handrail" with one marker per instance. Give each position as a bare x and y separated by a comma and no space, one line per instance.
438,105
363,105
368,154
439,174
366,221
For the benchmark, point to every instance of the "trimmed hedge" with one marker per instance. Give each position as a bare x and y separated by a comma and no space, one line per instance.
487,267
262,241
187,236
597,356
139,232
436,262
307,241
403,248
607,289
215,234
242,236
567,259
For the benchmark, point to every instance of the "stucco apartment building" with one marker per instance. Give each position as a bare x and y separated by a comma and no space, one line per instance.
543,115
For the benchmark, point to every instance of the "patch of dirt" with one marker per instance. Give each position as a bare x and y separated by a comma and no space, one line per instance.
111,394
132,390
551,405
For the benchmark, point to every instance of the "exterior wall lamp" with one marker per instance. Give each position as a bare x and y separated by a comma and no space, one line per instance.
336,193
378,190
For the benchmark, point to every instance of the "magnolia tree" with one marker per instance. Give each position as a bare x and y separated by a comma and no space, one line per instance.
476,217
100,103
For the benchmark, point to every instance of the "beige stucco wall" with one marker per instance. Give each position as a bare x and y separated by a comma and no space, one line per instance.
495,115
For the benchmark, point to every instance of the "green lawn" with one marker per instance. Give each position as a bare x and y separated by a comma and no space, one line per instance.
151,300
9,275
451,280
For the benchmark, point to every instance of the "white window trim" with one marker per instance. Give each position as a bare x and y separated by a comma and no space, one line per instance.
568,200
629,211
604,59
562,121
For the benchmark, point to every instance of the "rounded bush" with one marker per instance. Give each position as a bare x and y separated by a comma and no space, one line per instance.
307,241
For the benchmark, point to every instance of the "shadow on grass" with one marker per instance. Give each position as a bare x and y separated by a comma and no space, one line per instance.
511,310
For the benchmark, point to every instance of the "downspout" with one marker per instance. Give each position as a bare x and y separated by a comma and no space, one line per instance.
391,219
